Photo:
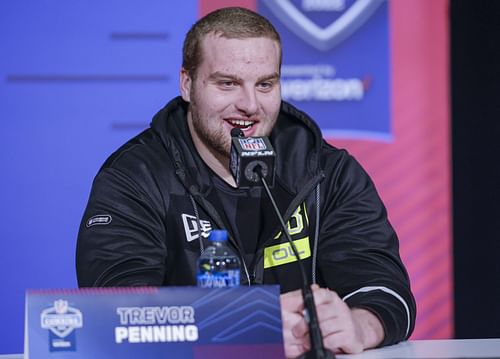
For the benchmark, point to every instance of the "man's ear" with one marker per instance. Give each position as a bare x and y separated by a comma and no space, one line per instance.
185,84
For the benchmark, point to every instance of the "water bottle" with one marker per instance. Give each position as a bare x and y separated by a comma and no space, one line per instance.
218,266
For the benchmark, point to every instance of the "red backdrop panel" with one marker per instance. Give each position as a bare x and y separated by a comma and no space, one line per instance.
412,174
207,6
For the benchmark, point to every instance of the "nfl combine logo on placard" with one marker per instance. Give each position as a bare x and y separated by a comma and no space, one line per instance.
61,320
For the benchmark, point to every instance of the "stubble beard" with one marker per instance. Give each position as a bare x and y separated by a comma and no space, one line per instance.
214,140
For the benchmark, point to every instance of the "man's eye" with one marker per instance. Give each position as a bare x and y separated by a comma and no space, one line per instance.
265,85
227,83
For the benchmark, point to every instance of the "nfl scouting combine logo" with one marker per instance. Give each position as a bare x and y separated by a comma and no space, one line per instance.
61,320
323,38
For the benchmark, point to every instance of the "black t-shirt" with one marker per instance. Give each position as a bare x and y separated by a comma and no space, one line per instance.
249,214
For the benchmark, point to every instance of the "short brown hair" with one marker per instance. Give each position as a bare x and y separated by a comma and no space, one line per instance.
231,23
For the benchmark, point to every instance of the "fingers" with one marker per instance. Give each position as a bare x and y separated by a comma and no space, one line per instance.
328,322
291,315
325,296
328,306
335,321
300,329
294,346
292,301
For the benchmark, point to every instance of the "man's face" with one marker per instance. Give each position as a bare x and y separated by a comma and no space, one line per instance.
236,85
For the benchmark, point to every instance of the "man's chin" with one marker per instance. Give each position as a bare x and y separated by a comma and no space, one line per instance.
223,152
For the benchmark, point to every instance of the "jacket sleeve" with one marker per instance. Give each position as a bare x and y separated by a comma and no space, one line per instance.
121,237
358,252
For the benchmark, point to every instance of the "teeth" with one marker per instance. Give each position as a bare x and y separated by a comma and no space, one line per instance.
242,123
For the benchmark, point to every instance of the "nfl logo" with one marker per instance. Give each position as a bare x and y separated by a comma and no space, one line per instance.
61,320
252,144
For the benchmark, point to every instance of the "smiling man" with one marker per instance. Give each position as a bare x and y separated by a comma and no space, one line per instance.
236,85
155,200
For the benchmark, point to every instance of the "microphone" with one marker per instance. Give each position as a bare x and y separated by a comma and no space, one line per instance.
248,153
257,171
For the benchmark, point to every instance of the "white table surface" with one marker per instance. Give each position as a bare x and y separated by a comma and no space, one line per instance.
456,348
416,349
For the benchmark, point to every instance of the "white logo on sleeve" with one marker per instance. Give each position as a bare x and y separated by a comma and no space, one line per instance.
191,227
99,220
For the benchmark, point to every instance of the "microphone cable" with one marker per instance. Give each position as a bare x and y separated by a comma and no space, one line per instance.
318,350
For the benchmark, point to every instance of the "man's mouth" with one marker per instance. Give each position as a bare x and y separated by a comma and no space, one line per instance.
241,124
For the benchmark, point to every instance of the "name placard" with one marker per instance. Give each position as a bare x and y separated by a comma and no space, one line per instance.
170,322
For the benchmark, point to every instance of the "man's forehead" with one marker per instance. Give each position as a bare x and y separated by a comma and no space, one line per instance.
221,39
217,50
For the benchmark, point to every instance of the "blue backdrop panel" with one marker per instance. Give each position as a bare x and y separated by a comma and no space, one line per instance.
76,80
336,63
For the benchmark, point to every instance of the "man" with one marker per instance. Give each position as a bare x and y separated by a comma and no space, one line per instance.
154,200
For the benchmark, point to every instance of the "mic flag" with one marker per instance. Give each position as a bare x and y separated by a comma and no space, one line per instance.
248,155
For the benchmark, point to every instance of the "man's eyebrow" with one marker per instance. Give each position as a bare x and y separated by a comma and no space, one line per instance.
273,76
218,75
221,75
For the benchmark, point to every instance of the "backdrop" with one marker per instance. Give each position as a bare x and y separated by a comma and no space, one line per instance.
79,79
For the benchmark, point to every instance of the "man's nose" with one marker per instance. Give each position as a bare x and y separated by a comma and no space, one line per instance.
247,101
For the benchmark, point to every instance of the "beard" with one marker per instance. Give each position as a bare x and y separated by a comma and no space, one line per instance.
212,137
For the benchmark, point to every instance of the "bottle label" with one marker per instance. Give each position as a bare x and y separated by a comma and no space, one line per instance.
230,278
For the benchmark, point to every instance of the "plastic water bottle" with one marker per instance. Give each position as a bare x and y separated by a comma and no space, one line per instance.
218,266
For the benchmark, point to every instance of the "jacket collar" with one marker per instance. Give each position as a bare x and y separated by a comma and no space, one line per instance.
296,139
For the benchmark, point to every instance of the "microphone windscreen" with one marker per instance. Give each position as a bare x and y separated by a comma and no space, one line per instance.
236,132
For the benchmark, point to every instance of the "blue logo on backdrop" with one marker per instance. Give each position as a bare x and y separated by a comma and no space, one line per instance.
346,19
61,320
336,63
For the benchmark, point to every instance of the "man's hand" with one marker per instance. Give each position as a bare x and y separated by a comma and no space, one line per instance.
343,329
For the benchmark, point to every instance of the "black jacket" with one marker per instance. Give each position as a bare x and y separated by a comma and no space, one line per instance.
153,203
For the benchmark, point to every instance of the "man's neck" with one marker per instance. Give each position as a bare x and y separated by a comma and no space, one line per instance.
219,164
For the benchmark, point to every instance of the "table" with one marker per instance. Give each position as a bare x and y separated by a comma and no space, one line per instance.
421,349
415,349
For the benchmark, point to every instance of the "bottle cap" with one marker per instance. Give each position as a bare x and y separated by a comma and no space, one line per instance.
218,235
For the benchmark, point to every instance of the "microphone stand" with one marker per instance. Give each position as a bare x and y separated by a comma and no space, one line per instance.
318,350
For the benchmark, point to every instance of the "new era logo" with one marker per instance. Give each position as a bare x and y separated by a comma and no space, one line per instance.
192,230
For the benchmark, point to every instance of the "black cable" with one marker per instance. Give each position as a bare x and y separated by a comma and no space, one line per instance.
317,351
